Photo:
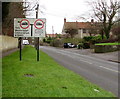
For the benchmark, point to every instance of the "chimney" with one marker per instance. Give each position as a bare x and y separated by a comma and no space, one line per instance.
64,20
92,20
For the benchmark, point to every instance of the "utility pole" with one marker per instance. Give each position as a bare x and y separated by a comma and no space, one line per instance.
53,31
37,11
37,45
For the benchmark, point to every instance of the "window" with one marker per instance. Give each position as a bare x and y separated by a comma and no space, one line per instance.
84,30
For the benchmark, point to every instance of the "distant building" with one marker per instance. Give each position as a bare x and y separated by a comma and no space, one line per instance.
51,35
81,27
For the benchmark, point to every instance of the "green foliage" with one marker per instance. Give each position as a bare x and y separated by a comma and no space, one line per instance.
87,38
49,40
93,39
80,45
56,43
86,45
44,40
106,47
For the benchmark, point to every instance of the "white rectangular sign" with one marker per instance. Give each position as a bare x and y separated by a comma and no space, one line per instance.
29,27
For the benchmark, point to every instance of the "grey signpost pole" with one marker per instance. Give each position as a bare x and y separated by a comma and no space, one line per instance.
38,37
20,39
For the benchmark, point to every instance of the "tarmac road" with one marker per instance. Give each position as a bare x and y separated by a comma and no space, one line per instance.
100,72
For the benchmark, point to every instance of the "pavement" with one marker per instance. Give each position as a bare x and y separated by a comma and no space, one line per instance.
3,54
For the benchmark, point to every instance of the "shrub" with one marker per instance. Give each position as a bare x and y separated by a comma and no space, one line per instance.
87,38
106,48
93,39
80,45
48,40
86,45
44,40
56,43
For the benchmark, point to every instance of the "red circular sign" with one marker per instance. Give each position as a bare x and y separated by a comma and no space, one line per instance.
24,23
39,24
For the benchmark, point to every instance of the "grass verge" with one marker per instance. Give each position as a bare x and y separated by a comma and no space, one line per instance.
108,44
47,78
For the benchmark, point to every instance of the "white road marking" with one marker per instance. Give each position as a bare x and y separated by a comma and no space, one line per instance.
109,69
86,61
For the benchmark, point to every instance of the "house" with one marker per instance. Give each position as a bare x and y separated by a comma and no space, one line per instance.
83,28
51,35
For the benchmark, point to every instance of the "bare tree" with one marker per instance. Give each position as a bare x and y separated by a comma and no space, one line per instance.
30,7
116,30
105,13
93,29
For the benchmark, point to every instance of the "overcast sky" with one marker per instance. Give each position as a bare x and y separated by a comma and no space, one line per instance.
56,10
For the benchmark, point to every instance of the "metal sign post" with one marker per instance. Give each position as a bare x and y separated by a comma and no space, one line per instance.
36,27
39,24
20,39
31,30
38,49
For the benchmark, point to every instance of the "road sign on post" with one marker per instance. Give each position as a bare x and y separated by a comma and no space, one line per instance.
29,27
24,24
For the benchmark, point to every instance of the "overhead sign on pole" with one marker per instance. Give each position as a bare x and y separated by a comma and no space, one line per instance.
29,27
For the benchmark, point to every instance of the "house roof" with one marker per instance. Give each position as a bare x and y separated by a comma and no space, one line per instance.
51,35
84,24
76,25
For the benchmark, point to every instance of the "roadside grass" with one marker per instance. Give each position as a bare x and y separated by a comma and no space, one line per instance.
48,79
108,43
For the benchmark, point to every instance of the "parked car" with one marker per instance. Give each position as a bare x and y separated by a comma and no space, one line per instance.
25,42
69,45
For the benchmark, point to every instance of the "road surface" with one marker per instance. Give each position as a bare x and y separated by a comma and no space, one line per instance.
100,72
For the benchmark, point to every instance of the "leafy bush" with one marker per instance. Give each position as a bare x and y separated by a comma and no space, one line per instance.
86,45
48,40
93,39
80,45
106,48
56,43
87,38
